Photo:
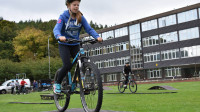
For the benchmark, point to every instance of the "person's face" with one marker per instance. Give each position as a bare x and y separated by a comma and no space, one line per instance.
74,6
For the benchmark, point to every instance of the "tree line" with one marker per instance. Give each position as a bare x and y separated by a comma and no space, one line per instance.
24,48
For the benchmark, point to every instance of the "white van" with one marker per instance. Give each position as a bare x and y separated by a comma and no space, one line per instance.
6,88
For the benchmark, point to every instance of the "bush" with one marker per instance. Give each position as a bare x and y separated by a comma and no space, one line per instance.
34,69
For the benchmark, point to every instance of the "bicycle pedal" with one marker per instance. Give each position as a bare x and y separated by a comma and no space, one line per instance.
77,92
86,92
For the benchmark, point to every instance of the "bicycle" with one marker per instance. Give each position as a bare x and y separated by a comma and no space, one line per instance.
132,85
86,82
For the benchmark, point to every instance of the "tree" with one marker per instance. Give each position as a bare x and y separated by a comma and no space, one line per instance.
30,43
7,30
7,33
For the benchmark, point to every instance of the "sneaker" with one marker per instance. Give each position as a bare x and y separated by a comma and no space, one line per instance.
57,88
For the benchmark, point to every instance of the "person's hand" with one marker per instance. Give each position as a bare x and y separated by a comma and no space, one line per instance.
62,38
99,39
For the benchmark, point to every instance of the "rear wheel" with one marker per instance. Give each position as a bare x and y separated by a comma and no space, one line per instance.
121,86
91,90
61,100
133,86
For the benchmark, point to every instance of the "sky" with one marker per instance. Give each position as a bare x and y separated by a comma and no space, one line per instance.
105,12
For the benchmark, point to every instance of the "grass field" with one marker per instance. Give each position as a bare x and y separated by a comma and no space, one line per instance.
187,99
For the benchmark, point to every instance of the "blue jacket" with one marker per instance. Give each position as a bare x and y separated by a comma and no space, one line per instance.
71,30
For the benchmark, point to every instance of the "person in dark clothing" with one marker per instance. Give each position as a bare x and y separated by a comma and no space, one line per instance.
17,85
12,84
126,71
35,85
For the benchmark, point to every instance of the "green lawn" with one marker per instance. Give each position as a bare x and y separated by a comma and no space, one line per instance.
187,99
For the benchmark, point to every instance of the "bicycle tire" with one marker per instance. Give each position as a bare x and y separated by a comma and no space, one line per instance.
92,93
133,86
62,100
121,86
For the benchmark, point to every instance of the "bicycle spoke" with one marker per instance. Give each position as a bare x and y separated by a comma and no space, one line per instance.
62,99
133,86
90,99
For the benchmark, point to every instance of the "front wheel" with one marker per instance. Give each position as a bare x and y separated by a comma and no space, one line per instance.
61,100
133,86
121,86
91,90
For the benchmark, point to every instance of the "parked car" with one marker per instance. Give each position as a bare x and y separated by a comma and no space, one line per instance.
6,88
45,84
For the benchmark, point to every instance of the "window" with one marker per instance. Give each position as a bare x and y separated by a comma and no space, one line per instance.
102,77
168,37
134,29
187,16
150,41
122,46
190,51
99,64
106,63
170,54
108,35
135,46
199,12
154,73
135,43
87,53
189,33
111,62
167,21
98,51
121,32
173,71
111,77
149,25
152,57
121,61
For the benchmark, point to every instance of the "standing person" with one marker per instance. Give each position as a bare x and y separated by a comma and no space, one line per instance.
12,84
68,26
35,85
17,86
23,86
126,71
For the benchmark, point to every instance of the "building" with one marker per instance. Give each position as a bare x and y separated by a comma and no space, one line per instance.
162,46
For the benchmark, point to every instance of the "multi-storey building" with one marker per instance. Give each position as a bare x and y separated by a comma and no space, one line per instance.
161,46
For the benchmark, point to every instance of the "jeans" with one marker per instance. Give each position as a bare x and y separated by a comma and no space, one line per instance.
66,53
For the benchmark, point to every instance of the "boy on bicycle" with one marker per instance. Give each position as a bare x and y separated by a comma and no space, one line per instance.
126,71
68,26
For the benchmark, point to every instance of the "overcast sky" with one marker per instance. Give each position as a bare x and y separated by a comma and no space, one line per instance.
108,12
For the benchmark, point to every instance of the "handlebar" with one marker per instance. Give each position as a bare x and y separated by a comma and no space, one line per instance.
70,40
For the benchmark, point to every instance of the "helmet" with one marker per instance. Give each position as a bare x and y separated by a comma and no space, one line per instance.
70,1
127,62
